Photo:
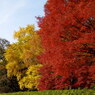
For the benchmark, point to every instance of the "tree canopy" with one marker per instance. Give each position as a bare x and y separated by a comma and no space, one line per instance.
68,36
22,57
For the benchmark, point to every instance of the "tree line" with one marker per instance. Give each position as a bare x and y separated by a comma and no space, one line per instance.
60,55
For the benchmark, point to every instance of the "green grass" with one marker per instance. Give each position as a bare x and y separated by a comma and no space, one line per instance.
56,92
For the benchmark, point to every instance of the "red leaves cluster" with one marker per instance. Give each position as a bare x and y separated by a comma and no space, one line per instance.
68,37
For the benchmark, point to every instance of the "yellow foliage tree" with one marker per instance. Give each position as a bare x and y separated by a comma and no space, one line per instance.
30,81
22,57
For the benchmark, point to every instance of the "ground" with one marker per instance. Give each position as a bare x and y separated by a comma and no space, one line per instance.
55,92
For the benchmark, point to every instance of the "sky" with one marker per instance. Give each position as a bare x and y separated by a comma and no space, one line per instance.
18,13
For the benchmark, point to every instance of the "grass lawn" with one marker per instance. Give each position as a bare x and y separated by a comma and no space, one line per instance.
56,92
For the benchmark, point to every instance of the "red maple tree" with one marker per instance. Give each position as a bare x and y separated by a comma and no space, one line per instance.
68,36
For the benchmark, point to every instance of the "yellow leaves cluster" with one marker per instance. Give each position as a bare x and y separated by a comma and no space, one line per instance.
22,57
31,79
24,34
12,52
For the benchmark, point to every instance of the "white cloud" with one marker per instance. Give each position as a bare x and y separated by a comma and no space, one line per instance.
9,9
